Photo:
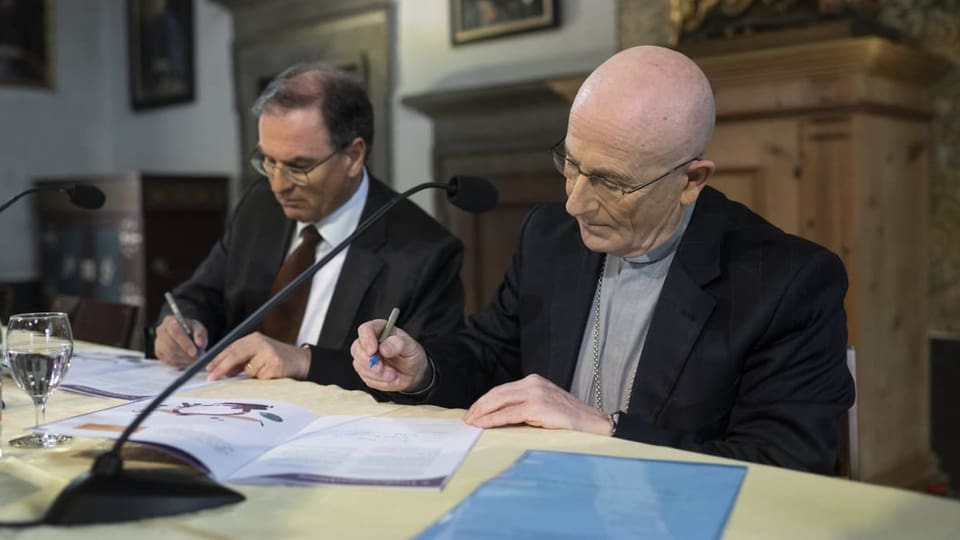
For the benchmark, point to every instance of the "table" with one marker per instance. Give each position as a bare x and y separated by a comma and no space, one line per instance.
773,503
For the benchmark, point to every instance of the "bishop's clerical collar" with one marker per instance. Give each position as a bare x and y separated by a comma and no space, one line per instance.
669,246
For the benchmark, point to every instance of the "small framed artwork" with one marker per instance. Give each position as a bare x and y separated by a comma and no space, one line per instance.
161,52
473,20
25,43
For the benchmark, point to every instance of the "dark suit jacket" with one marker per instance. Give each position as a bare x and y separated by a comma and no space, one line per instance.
744,358
406,259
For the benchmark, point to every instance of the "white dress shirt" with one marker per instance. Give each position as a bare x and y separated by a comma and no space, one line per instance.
334,229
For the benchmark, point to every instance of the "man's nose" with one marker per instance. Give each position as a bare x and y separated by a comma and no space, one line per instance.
278,180
580,198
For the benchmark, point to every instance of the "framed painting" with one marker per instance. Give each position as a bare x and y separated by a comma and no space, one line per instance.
161,52
473,20
25,43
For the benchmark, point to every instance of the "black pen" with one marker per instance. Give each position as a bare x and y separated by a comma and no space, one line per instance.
178,315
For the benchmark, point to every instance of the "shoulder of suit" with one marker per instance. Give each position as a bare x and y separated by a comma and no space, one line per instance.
747,229
406,215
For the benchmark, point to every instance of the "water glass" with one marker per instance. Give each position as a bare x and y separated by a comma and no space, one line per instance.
38,351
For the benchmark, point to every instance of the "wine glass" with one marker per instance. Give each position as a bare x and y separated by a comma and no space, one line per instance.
39,346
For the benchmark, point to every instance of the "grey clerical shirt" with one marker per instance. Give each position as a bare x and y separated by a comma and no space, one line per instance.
629,292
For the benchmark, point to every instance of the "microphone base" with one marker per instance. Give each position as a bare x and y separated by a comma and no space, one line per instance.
129,495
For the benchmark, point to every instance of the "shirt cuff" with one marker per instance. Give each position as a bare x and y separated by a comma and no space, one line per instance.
429,387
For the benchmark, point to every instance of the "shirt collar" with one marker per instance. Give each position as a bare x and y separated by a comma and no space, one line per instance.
342,221
670,245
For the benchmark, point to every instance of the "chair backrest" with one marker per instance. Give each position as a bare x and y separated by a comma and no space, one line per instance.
848,447
96,321
64,303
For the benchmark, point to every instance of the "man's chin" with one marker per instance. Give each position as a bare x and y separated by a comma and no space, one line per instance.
594,242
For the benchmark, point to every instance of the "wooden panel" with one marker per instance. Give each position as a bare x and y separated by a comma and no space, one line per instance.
892,294
757,162
742,185
489,239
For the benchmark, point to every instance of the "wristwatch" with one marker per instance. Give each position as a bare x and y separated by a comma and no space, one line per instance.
614,422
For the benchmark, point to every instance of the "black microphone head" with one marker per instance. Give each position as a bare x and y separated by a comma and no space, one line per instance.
472,193
86,196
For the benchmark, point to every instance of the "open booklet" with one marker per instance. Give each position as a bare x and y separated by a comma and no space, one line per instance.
255,441
114,373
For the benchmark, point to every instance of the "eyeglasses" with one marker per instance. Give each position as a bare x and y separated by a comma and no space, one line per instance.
571,171
267,166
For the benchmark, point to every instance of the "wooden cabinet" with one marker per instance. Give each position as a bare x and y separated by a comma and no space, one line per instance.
151,233
830,141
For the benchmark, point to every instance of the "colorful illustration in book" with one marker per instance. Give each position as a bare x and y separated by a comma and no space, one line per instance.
223,410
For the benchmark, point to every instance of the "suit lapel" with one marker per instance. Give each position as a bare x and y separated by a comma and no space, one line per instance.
571,304
682,309
265,265
361,267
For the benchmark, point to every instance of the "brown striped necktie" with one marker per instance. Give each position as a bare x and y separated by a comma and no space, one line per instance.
283,321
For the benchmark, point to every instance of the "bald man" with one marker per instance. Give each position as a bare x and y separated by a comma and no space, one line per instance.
650,307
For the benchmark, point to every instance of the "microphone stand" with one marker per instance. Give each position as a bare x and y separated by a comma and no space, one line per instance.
109,493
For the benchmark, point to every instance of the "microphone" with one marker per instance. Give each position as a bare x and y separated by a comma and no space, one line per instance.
108,493
83,195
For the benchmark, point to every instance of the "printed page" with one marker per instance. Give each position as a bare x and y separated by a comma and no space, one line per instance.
122,374
220,434
366,451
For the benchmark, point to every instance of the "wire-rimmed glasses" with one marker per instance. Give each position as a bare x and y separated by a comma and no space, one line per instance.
603,185
299,176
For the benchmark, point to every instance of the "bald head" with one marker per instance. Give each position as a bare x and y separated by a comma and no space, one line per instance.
653,102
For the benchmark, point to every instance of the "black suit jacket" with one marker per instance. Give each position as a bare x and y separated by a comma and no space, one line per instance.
406,259
744,358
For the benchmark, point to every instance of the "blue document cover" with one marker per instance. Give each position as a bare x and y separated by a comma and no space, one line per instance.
566,495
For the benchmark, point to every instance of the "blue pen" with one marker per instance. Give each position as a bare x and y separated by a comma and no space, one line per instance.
391,320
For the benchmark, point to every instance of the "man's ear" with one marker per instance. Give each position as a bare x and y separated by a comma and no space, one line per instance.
357,152
697,174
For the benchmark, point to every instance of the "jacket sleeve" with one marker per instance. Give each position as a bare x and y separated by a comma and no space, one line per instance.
202,296
431,306
487,352
794,384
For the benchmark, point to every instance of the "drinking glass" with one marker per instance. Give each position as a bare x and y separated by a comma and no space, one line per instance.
39,346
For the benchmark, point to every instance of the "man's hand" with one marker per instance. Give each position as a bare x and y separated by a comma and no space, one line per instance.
538,402
172,345
260,357
403,365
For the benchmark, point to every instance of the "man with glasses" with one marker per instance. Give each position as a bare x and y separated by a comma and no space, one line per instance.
315,127
649,307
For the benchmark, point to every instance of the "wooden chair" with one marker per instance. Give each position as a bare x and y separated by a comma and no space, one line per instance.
96,321
65,303
848,446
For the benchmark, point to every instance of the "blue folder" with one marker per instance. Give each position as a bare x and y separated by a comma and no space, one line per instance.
566,495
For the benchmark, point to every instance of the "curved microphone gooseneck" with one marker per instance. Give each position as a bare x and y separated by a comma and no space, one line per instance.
82,195
107,493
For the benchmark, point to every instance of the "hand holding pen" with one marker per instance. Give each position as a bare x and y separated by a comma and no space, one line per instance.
179,341
385,333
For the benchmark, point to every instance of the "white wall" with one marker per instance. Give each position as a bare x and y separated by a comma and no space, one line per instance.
84,125
197,137
426,61
54,131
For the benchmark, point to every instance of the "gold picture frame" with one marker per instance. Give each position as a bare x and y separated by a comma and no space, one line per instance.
474,20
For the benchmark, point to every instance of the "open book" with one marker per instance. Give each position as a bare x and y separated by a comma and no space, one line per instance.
255,441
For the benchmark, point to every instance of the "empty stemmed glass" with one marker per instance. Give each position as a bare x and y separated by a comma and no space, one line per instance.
39,346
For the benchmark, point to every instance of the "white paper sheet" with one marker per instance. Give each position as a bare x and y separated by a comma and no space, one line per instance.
257,441
118,374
